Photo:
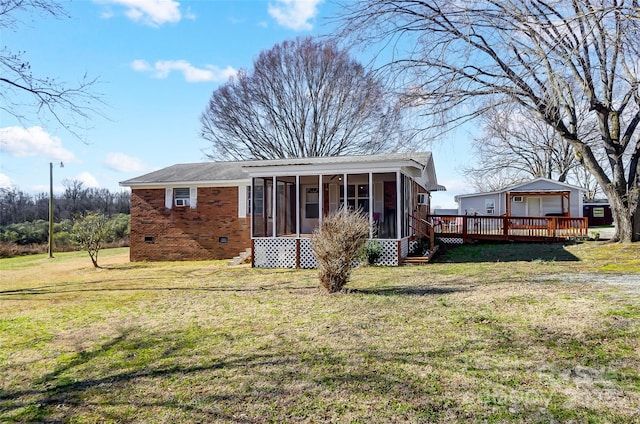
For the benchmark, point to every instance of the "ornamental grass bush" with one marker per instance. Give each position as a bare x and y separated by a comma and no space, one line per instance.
337,243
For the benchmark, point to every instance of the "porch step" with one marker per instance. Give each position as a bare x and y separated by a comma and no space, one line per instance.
243,257
420,260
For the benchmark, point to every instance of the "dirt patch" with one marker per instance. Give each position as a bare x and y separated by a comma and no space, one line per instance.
628,282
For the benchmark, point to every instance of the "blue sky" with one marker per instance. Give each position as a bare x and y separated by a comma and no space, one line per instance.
158,62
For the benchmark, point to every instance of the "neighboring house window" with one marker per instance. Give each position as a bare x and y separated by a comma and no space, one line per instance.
312,203
490,206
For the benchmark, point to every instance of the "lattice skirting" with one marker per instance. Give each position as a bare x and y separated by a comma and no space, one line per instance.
450,240
274,252
307,258
404,246
389,256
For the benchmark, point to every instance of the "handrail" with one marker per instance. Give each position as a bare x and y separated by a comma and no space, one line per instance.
509,227
430,233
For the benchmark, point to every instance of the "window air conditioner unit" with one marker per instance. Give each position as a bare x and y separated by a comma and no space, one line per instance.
182,202
518,199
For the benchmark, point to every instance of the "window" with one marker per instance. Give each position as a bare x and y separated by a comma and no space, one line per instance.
181,197
249,200
357,196
490,206
598,212
312,203
258,198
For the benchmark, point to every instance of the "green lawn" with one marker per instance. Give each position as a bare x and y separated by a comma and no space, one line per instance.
490,333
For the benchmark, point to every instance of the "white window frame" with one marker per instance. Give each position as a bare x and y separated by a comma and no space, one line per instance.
311,197
490,206
181,197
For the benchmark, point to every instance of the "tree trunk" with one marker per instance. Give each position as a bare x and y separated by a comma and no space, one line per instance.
624,202
627,221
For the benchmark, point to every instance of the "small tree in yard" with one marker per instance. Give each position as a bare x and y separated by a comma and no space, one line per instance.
90,233
336,243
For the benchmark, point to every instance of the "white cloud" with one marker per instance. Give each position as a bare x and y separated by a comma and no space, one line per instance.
5,181
140,65
148,12
88,180
32,142
294,14
123,163
162,69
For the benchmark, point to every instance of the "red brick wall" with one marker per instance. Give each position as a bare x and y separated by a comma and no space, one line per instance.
185,233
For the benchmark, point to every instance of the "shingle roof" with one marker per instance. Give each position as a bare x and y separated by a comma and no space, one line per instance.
211,172
422,158
191,172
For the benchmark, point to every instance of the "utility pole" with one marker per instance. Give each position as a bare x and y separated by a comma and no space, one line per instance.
51,209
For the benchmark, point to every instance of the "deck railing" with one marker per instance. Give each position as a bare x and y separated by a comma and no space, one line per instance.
469,227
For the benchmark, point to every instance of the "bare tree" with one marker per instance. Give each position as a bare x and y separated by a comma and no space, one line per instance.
516,145
73,195
24,94
554,58
303,98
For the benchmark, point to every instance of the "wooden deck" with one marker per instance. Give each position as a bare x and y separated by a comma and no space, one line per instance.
507,228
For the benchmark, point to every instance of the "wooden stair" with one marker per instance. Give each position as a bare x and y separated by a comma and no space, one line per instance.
420,260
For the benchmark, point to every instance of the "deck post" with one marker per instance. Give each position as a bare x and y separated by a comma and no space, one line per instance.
464,227
505,226
297,253
432,237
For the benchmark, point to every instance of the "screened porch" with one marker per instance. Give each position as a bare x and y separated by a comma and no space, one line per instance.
286,209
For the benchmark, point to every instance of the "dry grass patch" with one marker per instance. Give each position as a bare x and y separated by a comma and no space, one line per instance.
200,341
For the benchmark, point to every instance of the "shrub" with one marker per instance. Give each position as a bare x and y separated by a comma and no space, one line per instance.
371,251
336,243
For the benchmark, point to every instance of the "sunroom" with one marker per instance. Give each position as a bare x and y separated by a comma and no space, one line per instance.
290,197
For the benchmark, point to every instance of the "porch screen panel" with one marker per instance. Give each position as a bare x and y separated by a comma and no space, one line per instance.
285,206
309,209
405,202
261,207
257,210
377,201
389,226
331,194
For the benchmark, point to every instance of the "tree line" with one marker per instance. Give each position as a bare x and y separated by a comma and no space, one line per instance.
18,206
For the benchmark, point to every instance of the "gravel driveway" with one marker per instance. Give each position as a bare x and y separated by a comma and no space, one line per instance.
629,283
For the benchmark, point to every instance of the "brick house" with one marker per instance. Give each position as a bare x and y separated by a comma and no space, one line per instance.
191,211
215,210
